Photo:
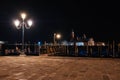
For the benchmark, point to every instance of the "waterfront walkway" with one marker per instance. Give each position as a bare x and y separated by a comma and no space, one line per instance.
58,68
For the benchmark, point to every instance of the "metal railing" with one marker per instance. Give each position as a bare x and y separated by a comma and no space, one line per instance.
109,50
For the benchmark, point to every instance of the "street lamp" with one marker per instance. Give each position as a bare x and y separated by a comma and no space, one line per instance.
56,36
22,25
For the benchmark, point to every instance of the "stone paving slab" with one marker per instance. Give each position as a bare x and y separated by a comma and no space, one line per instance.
58,68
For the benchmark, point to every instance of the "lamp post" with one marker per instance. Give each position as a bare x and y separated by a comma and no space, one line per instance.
54,42
22,25
56,36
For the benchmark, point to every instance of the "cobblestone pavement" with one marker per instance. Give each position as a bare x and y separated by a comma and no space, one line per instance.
58,68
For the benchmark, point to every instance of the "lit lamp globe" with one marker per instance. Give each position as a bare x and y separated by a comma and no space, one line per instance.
30,23
23,16
16,22
58,36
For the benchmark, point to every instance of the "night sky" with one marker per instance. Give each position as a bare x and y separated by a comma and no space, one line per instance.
99,20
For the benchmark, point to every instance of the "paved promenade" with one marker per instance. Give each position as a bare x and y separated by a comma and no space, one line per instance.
58,68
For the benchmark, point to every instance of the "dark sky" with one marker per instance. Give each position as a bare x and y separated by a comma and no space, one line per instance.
97,19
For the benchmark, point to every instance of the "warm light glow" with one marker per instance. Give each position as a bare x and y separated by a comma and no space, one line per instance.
16,22
103,44
30,22
58,36
23,15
